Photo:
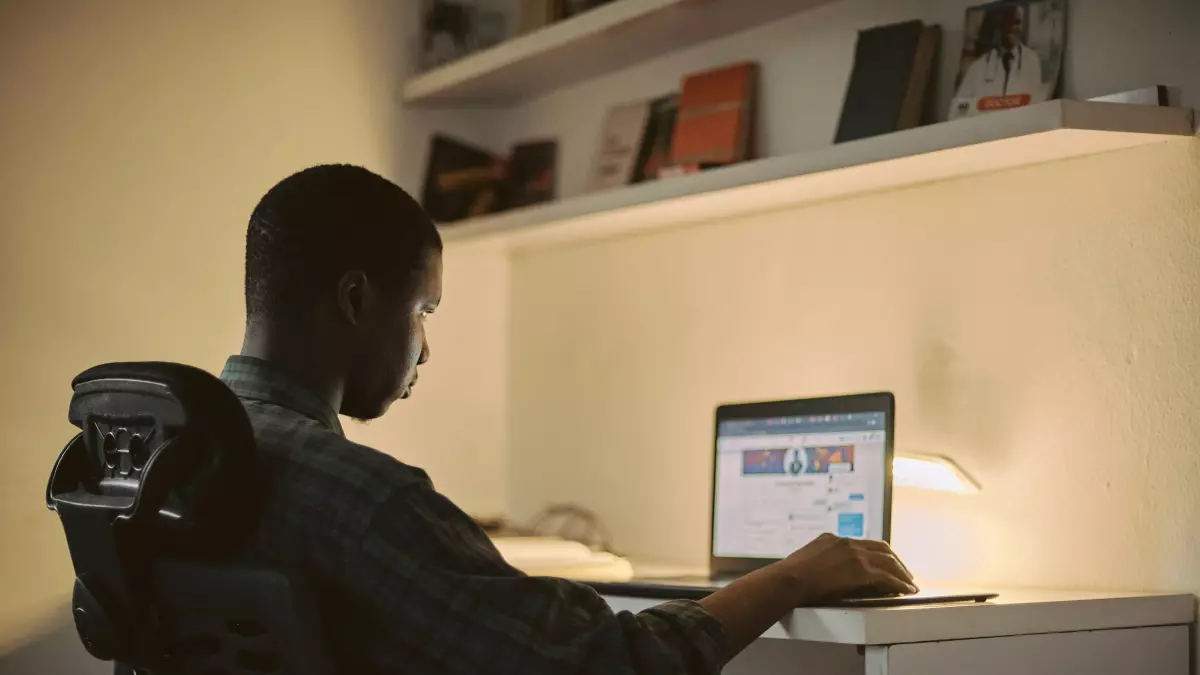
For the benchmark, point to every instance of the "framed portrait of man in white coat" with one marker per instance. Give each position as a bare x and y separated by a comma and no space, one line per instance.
1012,56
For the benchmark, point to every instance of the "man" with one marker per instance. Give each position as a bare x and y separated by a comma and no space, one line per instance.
1009,68
342,270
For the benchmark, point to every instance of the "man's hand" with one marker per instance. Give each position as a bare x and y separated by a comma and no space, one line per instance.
829,568
833,568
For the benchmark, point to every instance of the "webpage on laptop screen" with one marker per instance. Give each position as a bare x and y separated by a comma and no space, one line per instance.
783,481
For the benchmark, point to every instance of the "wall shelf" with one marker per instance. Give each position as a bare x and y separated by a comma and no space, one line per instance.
602,40
1025,136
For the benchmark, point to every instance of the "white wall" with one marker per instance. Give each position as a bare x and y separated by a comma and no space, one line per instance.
1039,325
136,138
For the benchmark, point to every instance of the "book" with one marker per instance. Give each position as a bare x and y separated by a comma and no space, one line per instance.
715,121
1012,56
556,557
889,83
655,151
461,181
532,174
619,145
536,14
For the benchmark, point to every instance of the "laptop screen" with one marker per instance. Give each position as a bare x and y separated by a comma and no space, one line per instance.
782,481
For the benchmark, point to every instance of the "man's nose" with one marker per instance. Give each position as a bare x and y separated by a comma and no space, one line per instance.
424,351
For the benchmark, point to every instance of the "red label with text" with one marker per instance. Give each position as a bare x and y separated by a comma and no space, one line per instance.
1003,102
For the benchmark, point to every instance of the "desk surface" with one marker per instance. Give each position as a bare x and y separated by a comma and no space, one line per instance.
1015,612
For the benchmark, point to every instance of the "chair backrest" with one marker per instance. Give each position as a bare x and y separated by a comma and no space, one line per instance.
156,496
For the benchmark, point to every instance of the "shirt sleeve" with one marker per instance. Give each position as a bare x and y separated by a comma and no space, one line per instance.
454,606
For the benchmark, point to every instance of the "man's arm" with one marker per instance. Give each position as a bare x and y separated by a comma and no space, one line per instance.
827,569
454,605
451,604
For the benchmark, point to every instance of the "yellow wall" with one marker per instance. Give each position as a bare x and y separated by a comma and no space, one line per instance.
135,139
1039,325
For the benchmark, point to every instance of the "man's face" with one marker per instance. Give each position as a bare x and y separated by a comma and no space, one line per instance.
392,344
1012,22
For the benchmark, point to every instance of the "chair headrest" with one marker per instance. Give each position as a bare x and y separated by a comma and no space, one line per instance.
158,442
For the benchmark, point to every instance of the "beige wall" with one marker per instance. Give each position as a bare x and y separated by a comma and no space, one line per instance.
135,139
1038,325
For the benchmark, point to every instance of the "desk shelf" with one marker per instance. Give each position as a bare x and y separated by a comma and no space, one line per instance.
1025,136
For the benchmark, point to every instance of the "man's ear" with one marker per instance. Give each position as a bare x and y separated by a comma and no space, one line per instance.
354,296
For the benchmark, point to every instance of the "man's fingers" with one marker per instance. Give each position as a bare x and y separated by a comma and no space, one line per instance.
884,582
881,547
889,563
872,545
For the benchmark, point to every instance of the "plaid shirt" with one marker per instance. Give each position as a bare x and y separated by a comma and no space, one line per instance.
406,582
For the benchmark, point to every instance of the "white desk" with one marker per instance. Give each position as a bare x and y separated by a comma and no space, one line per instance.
1025,632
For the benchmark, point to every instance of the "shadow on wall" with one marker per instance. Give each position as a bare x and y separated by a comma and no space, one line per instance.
57,651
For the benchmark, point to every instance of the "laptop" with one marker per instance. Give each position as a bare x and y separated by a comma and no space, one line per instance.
784,472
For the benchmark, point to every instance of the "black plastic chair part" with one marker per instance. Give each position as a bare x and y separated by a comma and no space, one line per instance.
156,497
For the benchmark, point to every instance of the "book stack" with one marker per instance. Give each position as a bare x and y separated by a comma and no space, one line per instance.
635,144
466,181
709,123
461,180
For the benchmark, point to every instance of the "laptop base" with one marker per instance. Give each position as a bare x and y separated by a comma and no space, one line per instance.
698,588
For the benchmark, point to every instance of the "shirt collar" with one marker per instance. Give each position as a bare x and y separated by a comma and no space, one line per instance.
259,380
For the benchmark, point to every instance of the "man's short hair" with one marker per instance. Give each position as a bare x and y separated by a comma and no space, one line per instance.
315,225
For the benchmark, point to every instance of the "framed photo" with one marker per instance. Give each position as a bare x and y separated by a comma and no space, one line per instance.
1012,56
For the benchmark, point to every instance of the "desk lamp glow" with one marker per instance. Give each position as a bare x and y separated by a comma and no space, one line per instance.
931,472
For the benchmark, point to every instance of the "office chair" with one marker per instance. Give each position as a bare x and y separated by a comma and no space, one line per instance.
156,497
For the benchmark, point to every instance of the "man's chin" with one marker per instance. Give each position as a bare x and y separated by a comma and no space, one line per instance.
363,415
383,407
